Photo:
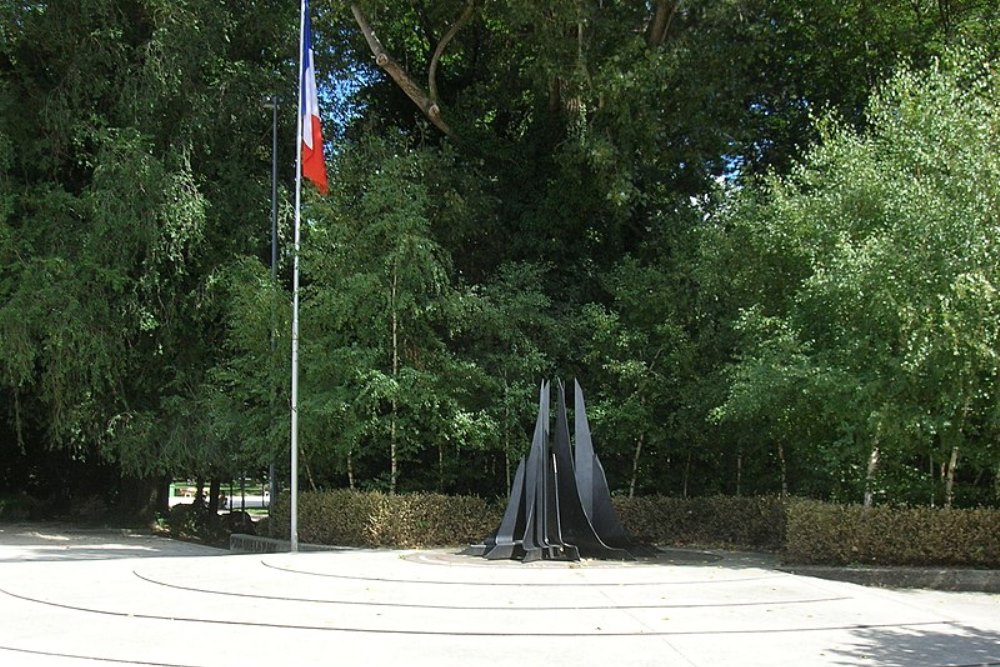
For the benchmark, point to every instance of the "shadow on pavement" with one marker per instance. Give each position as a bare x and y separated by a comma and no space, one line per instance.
887,647
61,542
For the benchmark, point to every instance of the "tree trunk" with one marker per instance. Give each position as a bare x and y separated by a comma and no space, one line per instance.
949,480
687,472
873,460
506,460
638,452
930,464
506,457
555,95
635,466
739,473
662,18
199,492
309,473
142,498
214,491
956,436
18,428
783,469
393,461
996,484
506,431
350,469
440,467
163,494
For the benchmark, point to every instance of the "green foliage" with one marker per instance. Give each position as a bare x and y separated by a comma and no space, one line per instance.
376,519
381,378
18,508
641,358
238,416
850,534
869,282
593,213
513,323
192,521
125,183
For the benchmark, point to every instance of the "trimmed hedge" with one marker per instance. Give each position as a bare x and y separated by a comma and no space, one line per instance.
755,522
350,518
822,533
808,532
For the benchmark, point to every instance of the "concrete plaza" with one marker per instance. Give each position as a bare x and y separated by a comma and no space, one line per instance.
72,597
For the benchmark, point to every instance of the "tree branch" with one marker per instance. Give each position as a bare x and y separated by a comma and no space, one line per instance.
665,11
402,78
448,36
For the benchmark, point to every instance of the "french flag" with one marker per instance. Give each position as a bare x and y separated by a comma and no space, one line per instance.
313,166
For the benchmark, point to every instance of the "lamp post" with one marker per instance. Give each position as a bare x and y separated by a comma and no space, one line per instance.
271,103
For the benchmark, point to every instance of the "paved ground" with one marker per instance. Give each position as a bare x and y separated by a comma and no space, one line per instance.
70,598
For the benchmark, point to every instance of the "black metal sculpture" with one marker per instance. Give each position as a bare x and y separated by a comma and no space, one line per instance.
559,506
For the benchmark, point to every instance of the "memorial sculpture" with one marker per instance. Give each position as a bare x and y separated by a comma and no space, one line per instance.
559,506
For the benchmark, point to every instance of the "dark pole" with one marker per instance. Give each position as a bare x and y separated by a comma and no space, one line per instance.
272,102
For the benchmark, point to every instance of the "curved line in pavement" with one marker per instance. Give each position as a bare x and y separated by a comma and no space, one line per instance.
410,605
442,633
533,584
96,658
73,656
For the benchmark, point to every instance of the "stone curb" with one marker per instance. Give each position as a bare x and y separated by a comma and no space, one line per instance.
940,579
255,544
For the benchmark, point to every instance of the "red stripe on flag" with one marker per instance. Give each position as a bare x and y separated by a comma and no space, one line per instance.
313,166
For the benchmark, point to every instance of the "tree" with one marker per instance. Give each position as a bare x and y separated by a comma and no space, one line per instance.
883,322
125,177
543,172
378,314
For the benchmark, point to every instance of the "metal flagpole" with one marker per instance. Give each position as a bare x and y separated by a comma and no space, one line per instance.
294,529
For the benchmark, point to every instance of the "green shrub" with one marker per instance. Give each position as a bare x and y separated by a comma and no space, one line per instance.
351,518
23,508
192,521
375,519
808,531
90,509
845,534
12,509
756,522
187,519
